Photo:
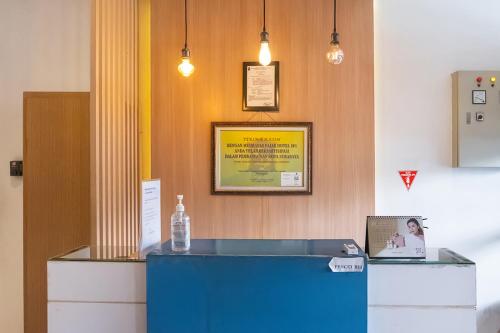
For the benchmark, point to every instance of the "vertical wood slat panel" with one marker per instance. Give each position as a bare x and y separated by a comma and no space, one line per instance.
108,157
129,117
119,127
123,129
127,129
113,21
94,121
114,131
136,115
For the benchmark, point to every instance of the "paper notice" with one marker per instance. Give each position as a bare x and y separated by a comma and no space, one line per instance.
150,214
260,86
291,179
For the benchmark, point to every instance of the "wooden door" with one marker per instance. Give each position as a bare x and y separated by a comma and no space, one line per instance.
56,190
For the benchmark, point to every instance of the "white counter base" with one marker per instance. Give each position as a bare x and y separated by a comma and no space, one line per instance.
78,317
110,297
96,297
421,298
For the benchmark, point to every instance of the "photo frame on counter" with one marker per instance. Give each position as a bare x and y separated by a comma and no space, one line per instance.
261,158
261,87
389,237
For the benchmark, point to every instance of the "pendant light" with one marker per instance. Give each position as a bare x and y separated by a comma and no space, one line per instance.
265,52
335,55
185,67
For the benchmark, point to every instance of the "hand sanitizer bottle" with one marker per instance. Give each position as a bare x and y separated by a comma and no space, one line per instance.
179,228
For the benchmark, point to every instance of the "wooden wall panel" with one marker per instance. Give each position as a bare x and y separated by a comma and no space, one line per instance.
114,124
56,190
337,99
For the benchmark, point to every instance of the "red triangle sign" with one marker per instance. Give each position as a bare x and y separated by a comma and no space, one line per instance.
408,176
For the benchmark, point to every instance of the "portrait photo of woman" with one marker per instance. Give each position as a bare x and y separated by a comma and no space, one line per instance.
414,239
397,236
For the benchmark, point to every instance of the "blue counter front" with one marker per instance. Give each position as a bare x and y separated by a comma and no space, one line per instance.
254,286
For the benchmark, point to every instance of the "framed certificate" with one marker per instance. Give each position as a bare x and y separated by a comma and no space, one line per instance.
262,158
261,87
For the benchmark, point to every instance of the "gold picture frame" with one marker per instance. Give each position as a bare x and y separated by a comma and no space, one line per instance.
261,158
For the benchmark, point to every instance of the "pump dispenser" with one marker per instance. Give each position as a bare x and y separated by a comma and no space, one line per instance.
180,206
180,228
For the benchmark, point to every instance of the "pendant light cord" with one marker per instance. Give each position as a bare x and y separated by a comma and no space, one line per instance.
264,27
334,16
185,25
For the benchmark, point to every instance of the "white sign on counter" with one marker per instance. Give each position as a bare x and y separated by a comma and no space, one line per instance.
345,264
150,214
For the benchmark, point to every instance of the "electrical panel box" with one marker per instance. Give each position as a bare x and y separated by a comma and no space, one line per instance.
476,119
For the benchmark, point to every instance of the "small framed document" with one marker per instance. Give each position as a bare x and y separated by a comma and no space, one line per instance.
262,158
261,87
395,237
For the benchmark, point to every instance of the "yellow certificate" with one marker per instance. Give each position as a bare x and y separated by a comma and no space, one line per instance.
261,157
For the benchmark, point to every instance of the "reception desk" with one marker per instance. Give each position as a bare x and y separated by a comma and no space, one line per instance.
249,286
105,291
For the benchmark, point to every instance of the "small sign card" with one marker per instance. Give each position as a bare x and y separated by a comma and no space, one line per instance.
150,214
345,265
291,179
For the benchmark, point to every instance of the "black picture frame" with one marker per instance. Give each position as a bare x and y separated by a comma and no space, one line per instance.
274,108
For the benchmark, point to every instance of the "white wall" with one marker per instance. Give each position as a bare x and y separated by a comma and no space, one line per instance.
418,44
45,45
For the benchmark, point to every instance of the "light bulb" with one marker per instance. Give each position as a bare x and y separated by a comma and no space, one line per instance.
186,68
265,52
335,55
